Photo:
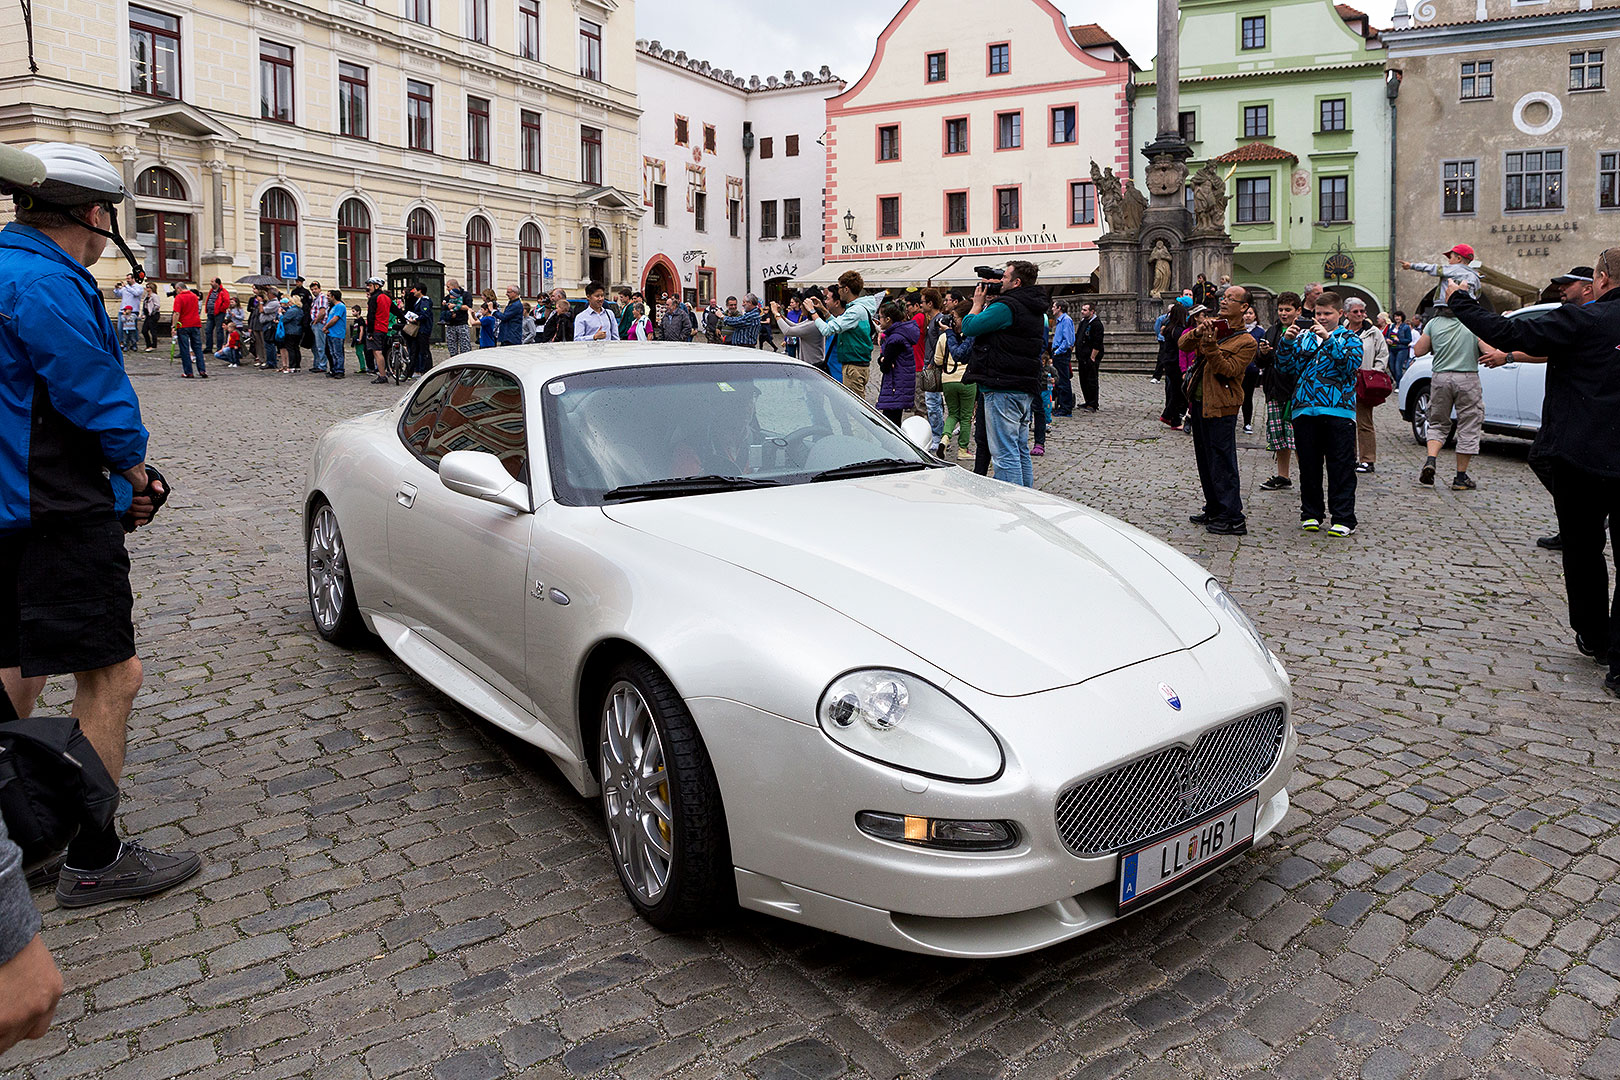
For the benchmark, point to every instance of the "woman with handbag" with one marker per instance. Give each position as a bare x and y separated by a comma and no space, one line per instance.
290,335
1373,383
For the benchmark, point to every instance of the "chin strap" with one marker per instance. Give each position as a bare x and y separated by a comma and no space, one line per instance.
29,201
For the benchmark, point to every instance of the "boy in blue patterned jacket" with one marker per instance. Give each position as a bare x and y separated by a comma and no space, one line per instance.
1324,360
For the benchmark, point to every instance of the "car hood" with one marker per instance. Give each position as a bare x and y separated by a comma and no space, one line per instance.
1010,590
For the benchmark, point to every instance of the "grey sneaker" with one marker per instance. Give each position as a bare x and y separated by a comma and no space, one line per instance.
138,871
45,871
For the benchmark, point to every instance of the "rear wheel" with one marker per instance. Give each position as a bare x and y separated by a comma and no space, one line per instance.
666,825
1420,414
331,590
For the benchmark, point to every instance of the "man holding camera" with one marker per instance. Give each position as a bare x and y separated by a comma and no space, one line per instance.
850,329
1008,325
1215,387
72,464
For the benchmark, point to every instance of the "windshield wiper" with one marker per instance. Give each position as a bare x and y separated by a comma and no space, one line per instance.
685,485
874,467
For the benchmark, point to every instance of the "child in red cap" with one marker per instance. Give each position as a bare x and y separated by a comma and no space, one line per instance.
1457,269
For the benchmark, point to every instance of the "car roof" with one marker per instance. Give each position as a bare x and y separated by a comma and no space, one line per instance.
541,362
1533,309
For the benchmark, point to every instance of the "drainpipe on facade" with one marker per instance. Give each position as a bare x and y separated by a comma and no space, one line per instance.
1130,122
748,202
1392,90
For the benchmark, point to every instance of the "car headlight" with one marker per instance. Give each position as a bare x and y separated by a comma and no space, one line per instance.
1229,608
904,721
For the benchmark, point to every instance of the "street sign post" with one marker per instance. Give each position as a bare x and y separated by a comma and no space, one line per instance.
545,272
289,265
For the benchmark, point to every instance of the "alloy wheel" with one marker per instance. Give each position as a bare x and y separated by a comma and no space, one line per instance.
328,570
1420,417
635,793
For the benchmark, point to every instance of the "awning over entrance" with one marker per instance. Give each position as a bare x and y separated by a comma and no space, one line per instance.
1056,267
880,273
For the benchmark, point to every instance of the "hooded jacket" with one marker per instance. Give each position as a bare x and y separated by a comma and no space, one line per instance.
1325,368
1008,343
70,423
899,366
852,330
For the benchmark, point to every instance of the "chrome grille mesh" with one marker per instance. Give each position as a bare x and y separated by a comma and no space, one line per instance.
1145,796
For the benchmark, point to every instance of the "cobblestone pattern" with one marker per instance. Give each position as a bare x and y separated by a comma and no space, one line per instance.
393,888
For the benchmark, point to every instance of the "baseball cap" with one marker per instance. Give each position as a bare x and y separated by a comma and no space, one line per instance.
1464,250
1577,273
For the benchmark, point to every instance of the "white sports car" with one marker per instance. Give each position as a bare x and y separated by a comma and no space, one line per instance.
806,666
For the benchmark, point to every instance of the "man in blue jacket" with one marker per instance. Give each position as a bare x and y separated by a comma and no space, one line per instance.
72,462
419,310
1062,358
511,319
1324,360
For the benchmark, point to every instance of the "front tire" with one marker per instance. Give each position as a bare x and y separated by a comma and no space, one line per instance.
331,589
666,824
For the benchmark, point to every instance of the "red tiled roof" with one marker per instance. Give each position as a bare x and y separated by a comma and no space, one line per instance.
1347,12
1091,36
1255,152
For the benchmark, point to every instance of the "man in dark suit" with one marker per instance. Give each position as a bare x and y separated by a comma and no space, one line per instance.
1088,354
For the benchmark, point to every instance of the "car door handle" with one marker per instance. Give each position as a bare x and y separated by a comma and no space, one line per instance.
406,495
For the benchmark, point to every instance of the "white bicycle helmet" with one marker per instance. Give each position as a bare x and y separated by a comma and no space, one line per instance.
64,177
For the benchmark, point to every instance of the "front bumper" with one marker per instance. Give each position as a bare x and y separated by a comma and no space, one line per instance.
791,796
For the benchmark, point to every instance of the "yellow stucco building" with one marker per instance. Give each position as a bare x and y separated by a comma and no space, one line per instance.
492,135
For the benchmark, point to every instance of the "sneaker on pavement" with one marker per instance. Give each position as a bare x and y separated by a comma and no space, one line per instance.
1248,429
44,872
1277,483
1585,648
1311,524
1611,684
138,871
1463,482
964,454
1427,475
1555,542
1198,519
1340,531
1364,467
1227,528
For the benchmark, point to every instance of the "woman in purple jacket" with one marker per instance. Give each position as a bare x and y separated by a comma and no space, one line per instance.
897,359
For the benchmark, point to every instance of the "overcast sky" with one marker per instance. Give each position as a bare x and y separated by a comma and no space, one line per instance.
735,34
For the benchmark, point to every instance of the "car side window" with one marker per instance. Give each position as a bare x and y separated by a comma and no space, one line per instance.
416,425
483,410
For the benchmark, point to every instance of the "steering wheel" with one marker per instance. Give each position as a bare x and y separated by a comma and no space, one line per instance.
798,453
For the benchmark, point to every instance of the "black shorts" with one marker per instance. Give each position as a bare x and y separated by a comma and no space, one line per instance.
376,342
65,601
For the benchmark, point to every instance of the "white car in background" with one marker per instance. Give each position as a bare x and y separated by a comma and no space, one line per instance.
1513,392
806,666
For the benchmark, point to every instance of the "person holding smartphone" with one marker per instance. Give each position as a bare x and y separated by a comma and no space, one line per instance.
1323,362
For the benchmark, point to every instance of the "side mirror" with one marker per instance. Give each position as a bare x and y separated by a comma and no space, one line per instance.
481,475
917,430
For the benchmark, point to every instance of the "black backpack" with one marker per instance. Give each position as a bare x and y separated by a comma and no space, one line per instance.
52,782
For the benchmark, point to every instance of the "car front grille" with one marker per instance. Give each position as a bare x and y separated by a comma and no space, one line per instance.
1171,786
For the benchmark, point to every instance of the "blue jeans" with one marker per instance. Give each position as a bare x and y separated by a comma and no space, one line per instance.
213,337
188,339
1007,415
935,400
317,354
334,354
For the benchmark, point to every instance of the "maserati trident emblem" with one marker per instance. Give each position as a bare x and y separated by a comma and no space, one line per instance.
1189,785
1169,694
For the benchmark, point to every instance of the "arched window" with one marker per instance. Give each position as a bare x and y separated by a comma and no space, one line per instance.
165,233
480,256
530,258
353,244
420,242
278,229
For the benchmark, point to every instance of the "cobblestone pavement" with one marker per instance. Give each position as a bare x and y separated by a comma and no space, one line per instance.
392,888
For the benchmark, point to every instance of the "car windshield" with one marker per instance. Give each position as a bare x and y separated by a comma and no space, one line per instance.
682,429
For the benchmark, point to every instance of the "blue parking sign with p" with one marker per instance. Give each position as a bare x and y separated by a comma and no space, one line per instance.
289,265
545,270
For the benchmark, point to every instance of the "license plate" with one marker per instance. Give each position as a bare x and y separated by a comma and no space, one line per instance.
1153,868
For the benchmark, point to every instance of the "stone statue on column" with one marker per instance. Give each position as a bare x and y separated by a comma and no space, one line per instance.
1209,201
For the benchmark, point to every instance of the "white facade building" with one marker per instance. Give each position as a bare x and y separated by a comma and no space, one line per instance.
723,218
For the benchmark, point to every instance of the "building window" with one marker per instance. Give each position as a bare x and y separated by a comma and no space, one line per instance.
590,155
1476,80
956,136
590,50
480,256
1457,182
478,21
734,216
1082,203
1064,129
353,244
708,138
419,11
165,234
532,136
889,143
1187,124
1609,181
766,148
790,146
660,204
767,219
889,216
1000,59
1254,32
531,260
936,67
790,219
1009,214
278,229
1009,130
529,29
477,129
421,236
1333,200
354,100
1534,180
154,53
700,211
682,134
1253,200
418,116
275,82
1187,198
1256,121
1586,70
956,212
1332,114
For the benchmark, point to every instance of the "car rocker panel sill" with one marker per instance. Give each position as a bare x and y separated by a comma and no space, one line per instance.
971,937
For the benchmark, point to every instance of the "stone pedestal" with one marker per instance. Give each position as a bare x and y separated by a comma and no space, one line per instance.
1119,268
1208,255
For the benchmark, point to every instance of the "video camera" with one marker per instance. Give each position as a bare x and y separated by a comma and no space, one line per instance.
990,278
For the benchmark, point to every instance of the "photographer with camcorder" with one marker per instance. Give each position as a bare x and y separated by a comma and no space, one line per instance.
1008,325
73,480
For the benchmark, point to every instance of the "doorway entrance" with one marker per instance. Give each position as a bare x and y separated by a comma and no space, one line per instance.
596,256
659,280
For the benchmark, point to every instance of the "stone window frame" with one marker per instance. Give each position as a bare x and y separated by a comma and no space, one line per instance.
1472,179
1563,182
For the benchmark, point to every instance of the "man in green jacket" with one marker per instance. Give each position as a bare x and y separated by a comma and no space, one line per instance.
852,329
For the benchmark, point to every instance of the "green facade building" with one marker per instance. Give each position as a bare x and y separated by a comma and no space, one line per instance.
1287,98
